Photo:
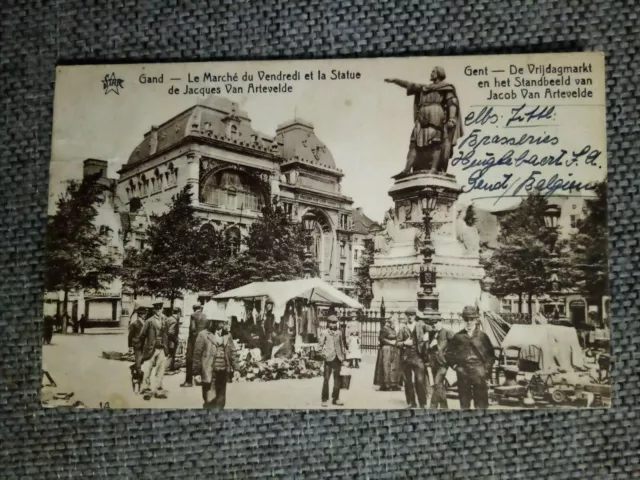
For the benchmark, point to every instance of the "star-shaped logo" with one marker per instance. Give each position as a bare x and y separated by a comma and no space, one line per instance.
111,83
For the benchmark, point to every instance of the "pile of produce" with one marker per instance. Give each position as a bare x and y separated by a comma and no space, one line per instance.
298,366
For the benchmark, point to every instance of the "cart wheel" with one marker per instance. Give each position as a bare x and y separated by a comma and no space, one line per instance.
558,396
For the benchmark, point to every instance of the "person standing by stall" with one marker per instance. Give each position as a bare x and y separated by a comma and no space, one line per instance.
333,348
214,361
470,353
197,323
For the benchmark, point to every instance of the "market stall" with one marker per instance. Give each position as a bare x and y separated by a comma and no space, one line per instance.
276,321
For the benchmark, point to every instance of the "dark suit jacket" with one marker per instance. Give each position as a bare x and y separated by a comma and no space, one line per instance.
197,324
421,329
437,352
462,345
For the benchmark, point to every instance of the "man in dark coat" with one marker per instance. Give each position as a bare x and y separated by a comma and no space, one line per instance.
154,342
439,367
197,323
412,339
135,328
470,353
173,325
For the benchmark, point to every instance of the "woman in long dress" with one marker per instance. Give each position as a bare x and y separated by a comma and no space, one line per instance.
388,375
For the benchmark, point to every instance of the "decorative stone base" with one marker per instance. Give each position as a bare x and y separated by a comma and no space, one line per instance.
396,268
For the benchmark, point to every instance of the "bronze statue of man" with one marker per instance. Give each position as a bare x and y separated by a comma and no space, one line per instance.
437,123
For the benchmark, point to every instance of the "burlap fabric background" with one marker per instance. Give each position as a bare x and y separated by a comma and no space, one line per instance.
285,444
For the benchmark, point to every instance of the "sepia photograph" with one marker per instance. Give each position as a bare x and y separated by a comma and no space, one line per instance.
385,233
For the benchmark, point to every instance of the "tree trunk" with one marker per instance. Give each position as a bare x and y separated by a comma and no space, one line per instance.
520,302
171,300
530,306
65,310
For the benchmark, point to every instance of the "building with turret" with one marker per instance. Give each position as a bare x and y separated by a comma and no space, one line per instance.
213,147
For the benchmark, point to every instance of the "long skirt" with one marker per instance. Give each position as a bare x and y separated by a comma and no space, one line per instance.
388,368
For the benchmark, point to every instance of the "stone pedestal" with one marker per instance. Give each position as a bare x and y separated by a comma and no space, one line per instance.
396,268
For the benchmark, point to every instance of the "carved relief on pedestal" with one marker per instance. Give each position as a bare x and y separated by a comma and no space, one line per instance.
382,240
412,270
466,235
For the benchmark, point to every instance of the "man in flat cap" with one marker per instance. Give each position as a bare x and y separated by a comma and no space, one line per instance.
412,339
333,347
154,341
470,353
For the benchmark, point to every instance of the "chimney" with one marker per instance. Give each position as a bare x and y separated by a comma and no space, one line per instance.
93,166
153,140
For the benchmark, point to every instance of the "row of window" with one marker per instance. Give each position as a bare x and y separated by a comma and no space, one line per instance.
155,183
232,199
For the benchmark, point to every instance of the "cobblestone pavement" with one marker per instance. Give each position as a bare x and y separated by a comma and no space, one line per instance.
74,361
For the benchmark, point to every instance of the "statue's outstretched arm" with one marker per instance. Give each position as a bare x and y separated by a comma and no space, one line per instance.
397,81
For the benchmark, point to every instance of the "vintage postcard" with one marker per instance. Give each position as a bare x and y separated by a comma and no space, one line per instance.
388,233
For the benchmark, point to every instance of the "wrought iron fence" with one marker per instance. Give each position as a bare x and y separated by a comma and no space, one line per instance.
370,323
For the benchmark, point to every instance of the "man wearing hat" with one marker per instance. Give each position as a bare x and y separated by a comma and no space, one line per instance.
412,339
470,353
198,323
154,341
214,360
333,347
135,327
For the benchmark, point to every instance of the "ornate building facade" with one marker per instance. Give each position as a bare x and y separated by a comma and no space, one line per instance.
213,147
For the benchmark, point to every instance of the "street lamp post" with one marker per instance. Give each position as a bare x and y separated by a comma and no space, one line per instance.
551,219
309,224
428,298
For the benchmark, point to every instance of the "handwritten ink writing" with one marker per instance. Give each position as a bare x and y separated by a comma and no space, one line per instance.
475,140
469,161
484,116
591,155
552,185
477,182
523,115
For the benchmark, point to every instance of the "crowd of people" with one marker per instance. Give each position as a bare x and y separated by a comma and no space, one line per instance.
410,345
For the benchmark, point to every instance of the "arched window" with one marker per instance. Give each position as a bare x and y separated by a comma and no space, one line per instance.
158,181
233,240
143,185
172,176
234,129
232,190
323,244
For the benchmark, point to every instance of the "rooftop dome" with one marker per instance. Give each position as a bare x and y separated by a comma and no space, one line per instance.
299,140
214,117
